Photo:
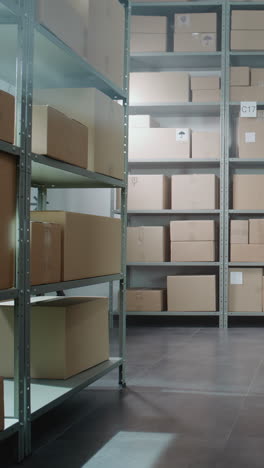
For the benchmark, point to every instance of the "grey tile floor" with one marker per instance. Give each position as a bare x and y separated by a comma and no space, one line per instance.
195,399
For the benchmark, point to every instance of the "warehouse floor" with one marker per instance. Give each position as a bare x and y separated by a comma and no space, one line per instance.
195,400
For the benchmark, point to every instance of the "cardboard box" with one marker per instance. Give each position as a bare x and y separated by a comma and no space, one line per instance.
206,145
248,192
194,192
192,231
240,76
2,411
239,232
202,299
210,95
104,119
195,22
148,24
7,117
159,143
148,192
205,82
194,42
145,300
159,87
247,253
46,251
247,40
91,245
193,251
248,19
247,93
147,244
142,121
257,76
48,125
256,231
8,219
250,137
245,289
68,336
140,42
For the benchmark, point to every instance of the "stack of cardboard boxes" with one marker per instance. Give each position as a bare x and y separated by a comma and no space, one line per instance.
195,32
247,240
146,300
148,34
247,30
205,88
247,84
193,241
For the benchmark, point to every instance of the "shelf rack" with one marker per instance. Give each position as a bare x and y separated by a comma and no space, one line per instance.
32,57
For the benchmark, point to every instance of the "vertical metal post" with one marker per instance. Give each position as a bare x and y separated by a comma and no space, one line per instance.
123,282
42,198
24,89
111,284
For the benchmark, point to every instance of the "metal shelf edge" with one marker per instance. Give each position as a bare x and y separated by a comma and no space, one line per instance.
8,294
46,288
172,314
171,264
11,428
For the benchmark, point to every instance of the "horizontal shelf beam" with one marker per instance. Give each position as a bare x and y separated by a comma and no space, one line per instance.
172,314
245,212
246,314
172,264
46,288
8,294
172,212
11,427
188,109
184,61
174,162
8,148
155,8
246,264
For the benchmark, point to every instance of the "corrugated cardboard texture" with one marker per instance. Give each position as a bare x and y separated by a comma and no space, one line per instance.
206,145
46,250
247,253
159,143
247,40
194,42
193,251
146,300
148,192
192,231
7,117
2,412
56,135
210,95
147,244
140,42
239,232
194,191
248,192
159,87
256,231
68,336
195,22
240,76
91,245
248,19
191,293
246,297
205,82
7,219
250,137
104,119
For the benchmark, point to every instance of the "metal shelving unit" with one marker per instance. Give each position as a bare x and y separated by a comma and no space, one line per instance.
34,58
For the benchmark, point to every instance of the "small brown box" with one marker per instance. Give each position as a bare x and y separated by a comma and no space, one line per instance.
194,192
256,231
147,244
240,76
192,231
145,300
201,251
205,82
248,20
245,289
257,76
239,232
248,192
246,93
195,22
201,299
247,40
247,253
210,95
46,251
194,42
251,137
148,192
159,87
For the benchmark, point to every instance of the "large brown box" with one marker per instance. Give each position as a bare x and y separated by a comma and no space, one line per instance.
206,145
256,231
248,192
247,253
194,42
147,244
205,82
148,34
248,19
148,192
68,336
240,76
251,137
91,245
159,143
194,192
2,406
146,300
104,119
239,232
159,87
202,251
201,299
56,135
192,231
246,93
247,40
210,95
195,22
245,289
46,252
7,219
257,76
7,117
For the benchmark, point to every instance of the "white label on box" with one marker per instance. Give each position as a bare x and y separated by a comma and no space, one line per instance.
182,134
236,277
183,20
250,137
248,109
